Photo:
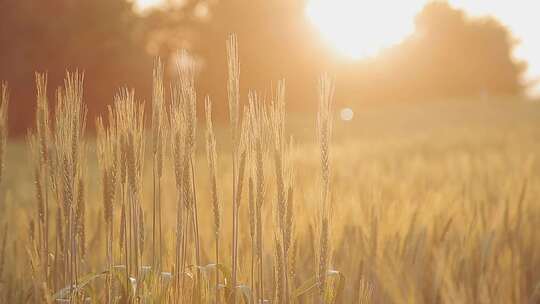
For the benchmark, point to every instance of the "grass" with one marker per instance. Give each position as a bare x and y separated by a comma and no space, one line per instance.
422,203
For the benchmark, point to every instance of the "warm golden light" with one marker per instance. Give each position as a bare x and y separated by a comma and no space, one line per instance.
145,4
359,28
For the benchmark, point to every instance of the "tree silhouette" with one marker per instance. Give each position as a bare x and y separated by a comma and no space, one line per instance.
449,55
103,38
275,41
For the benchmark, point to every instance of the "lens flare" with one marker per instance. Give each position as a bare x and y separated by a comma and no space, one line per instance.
346,114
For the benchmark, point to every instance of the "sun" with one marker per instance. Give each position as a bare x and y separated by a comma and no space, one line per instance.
361,28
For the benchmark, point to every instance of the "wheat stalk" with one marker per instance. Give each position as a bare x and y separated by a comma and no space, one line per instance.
129,128
4,98
70,123
279,292
176,131
284,185
233,92
3,246
257,120
324,133
108,163
158,136
211,157
39,143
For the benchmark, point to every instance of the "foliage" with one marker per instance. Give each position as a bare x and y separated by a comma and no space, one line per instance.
449,55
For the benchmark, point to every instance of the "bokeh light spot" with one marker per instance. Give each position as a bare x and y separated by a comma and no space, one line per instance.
346,114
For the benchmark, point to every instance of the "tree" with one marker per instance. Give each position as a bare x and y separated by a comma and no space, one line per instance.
103,38
275,41
449,55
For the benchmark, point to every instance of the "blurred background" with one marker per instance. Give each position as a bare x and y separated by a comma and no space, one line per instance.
379,51
435,154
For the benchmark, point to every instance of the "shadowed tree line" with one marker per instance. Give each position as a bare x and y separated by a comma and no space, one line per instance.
449,55
103,38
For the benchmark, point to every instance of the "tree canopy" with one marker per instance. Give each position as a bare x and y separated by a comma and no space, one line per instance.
449,55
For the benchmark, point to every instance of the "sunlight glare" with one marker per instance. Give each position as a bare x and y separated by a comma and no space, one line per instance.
359,28
146,4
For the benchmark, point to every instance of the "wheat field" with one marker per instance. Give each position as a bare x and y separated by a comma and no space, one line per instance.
435,202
